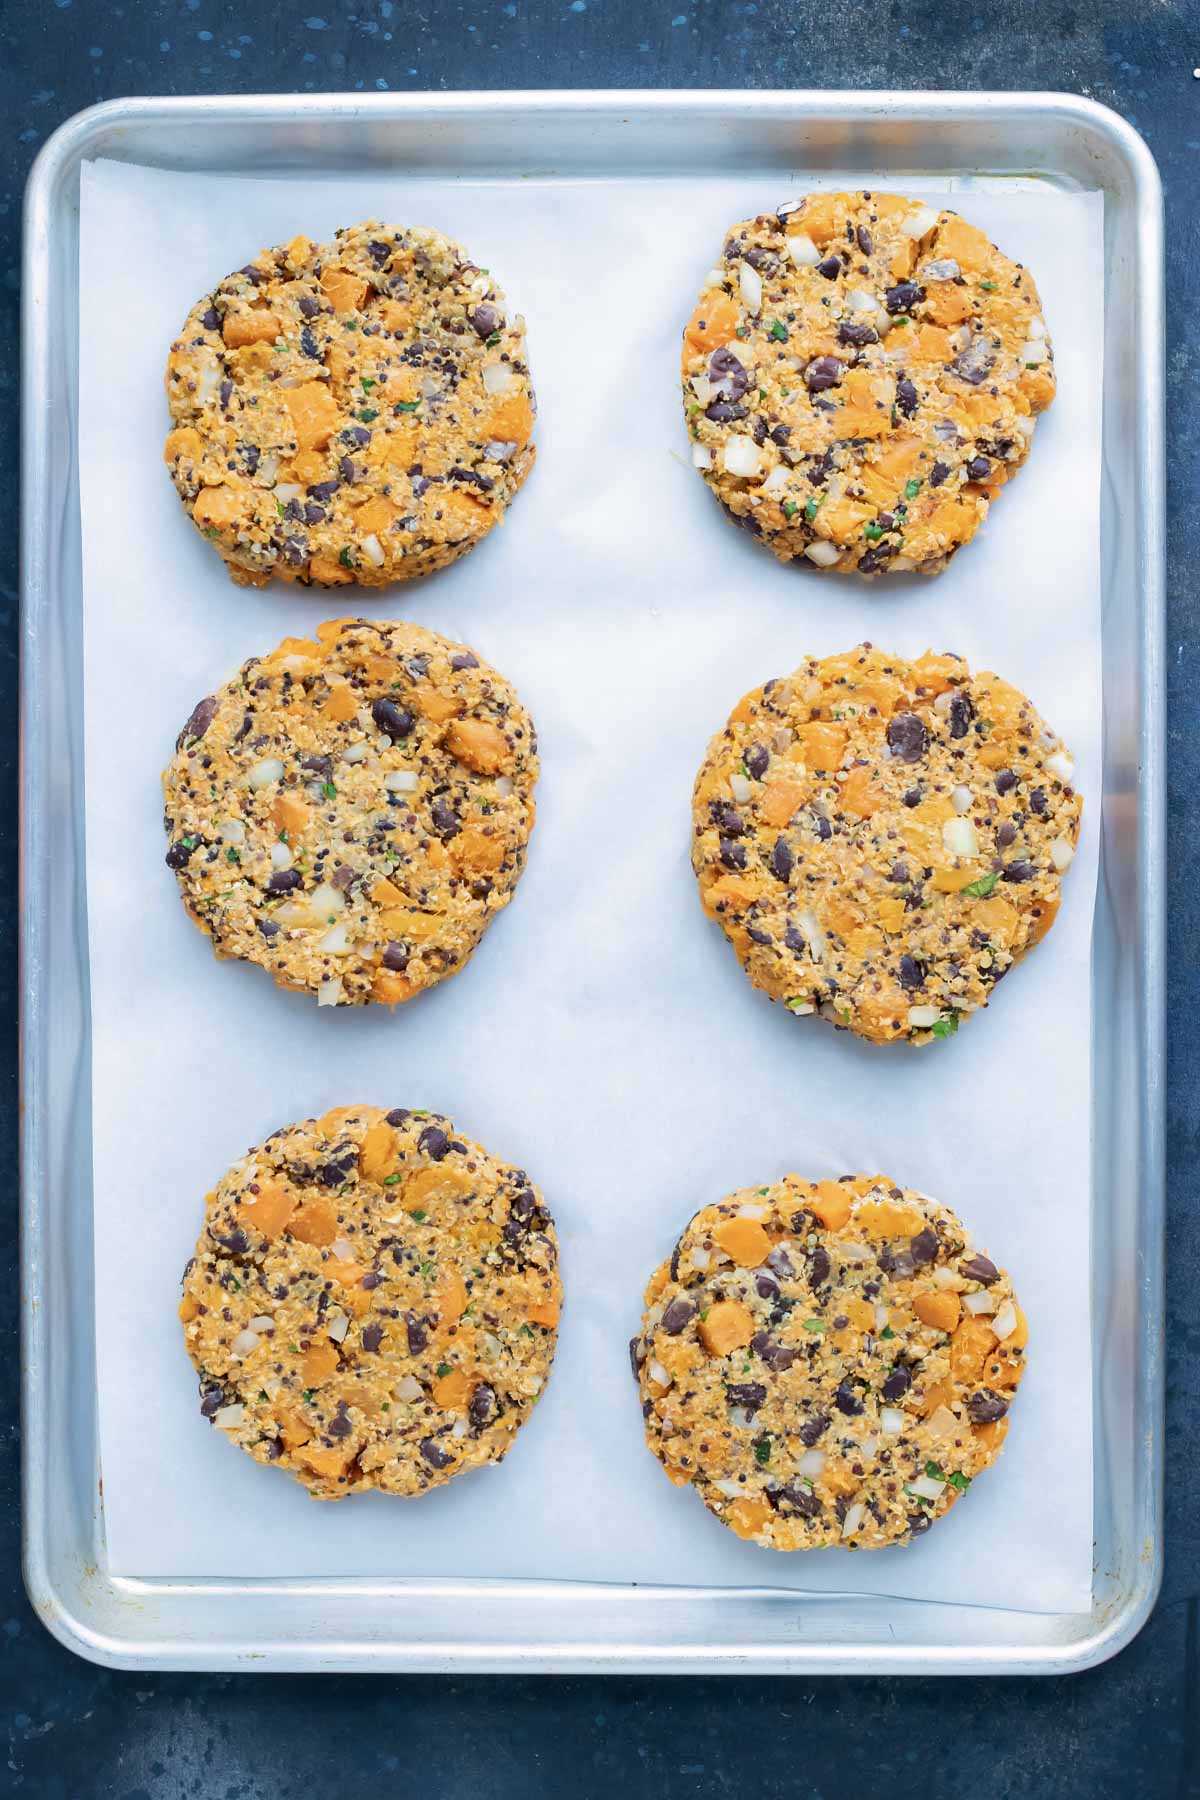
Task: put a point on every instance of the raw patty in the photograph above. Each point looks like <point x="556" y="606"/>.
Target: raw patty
<point x="828" y="1362"/>
<point x="881" y="841"/>
<point x="861" y="376"/>
<point x="351" y="812"/>
<point x="373" y="1302"/>
<point x="355" y="411"/>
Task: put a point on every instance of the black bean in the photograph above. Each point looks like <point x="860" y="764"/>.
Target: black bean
<point x="794" y="1499"/>
<point x="313" y="514"/>
<point x="637" y="1357"/>
<point x="724" y="412"/>
<point x="974" y="363"/>
<point x="725" y="370"/>
<point x="378" y="252"/>
<point x="985" y="1407"/>
<point x="482" y="1407"/>
<point x="903" y="297"/>
<point x="822" y="372"/>
<point x="776" y="1356"/>
<point x="434" y="1455"/>
<point x="907" y="397"/>
<point x="897" y="1263"/>
<point x="733" y="854"/>
<point x="212" y="1399"/>
<point x="962" y="712"/>
<point x="309" y="308"/>
<point x="395" y="957"/>
<point x="912" y="973"/>
<point x="1006" y="781"/>
<point x="897" y="1383"/>
<point x="762" y="259"/>
<point x="979" y="468"/>
<point x="1018" y="871"/>
<point x="433" y="1142"/>
<point x="907" y="737"/>
<point x="418" y="1334"/>
<point x="372" y="1337"/>
<point x="225" y="394"/>
<point x="819" y="1265"/>
<point x="858" y="336"/>
<point x="285" y="881"/>
<point x="779" y="1260"/>
<point x="865" y="241"/>
<point x="397" y="721"/>
<point x="318" y="765"/>
<point x="924" y="1247"/>
<point x="485" y="319"/>
<point x="1038" y="802"/>
<point x="919" y="1523"/>
<point x="980" y="1268"/>
<point x="677" y="1315"/>
<point x="750" y="1394"/>
<point x="464" y="659"/>
<point x="309" y="344"/>
<point x="938" y="474"/>
<point x="727" y="818"/>
<point x="211" y="320"/>
<point x="1007" y="834"/>
<point x="782" y="860"/>
<point x="830" y="268"/>
<point x="757" y="935"/>
<point x="756" y="760"/>
<point x="178" y="854"/>
<point x="899" y="873"/>
<point x="912" y="797"/>
<point x="201" y="717"/>
<point x="235" y="1242"/>
<point x="372" y="1279"/>
<point x="780" y="434"/>
<point x="399" y="1115"/>
<point x="766" y="1287"/>
<point x="446" y="821"/>
<point x="820" y="824"/>
<point x="267" y="928"/>
<point x="847" y="1401"/>
<point x="324" y="490"/>
<point x="812" y="1430"/>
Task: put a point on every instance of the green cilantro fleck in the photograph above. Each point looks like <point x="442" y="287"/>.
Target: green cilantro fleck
<point x="814" y="1325"/>
<point x="210" y="531"/>
<point x="912" y="489"/>
<point x="764" y="1190"/>
<point x="444" y="1368"/>
<point x="933" y="1471"/>
<point x="979" y="890"/>
<point x="309" y="1392"/>
<point x="406" y="406"/>
<point x="743" y="331"/>
<point x="295" y="1349"/>
<point x="280" y="508"/>
<point x="779" y="331"/>
<point x="390" y="1180"/>
<point x="812" y="507"/>
<point x="420" y="1215"/>
<point x="427" y="1269"/>
<point x="345" y="558"/>
<point x="703" y="1314"/>
<point x="873" y="533"/>
<point x="492" y="340"/>
<point x="385" y="1406"/>
<point x="235" y="1284"/>
<point x="762" y="1450"/>
<point x="762" y="393"/>
<point x="283" y="837"/>
<point x="901" y="319"/>
<point x="366" y="414"/>
<point x="189" y="842"/>
<point x="989" y="287"/>
<point x="525" y="1331"/>
<point x="232" y="855"/>
<point x="790" y="509"/>
<point x="887" y="1332"/>
<point x="961" y="1482"/>
<point x="329" y="791"/>
<point x="366" y="383"/>
<point x="946" y="1026"/>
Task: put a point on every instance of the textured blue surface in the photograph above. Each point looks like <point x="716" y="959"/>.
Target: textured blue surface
<point x="70" y="1730"/>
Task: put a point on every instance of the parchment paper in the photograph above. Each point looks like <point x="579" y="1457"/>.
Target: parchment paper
<point x="603" y="1036"/>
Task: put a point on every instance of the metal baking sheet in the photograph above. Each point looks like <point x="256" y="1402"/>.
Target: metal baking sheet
<point x="555" y="1625"/>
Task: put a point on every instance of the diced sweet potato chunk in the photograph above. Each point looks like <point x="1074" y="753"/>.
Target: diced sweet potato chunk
<point x="218" y="507"/>
<point x="938" y="1307"/>
<point x="728" y="1326"/>
<point x="250" y="327"/>
<point x="314" y="413"/>
<point x="314" y="1223"/>
<point x="346" y="293"/>
<point x="479" y="744"/>
<point x="744" y="1240"/>
<point x="377" y="1157"/>
<point x="272" y="1208"/>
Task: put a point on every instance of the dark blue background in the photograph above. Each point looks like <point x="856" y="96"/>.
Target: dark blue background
<point x="72" y="1730"/>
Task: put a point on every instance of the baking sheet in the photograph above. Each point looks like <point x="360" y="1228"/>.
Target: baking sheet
<point x="604" y="1036"/>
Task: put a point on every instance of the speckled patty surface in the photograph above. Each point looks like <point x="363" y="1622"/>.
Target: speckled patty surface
<point x="353" y="810"/>
<point x="355" y="411"/>
<point x="881" y="840"/>
<point x="828" y="1362"/>
<point x="373" y="1302"/>
<point x="861" y="375"/>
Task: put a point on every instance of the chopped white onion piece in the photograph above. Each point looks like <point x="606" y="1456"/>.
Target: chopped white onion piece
<point x="267" y="470"/>
<point x="1062" y="854"/>
<point x="742" y="456"/>
<point x="372" y="549"/>
<point x="294" y="664"/>
<point x="281" y="856"/>
<point x="919" y="222"/>
<point x="942" y="703"/>
<point x="823" y="554"/>
<point x="273" y="1386"/>
<point x="1061" y="765"/>
<point x="730" y="1489"/>
<point x="881" y="1317"/>
<point x="337" y="1324"/>
<point x="330" y="992"/>
<point x="701" y="456"/>
<point x="1005" y="1321"/>
<point x="400" y="781"/>
<point x="429" y="386"/>
<point x="920" y="1018"/>
<point x="891" y="1419"/>
<point x="343" y="1249"/>
<point x="927" y="1487"/>
<point x="409" y="1388"/>
<point x="1034" y="351"/>
<point x="961" y="799"/>
<point x="958" y="836"/>
<point x="811" y="1463"/>
<point x="802" y="250"/>
<point x="853" y="1519"/>
<point x="335" y="942"/>
<point x="355" y="753"/>
<point x="781" y="740"/>
<point x="244" y="1344"/>
<point x="860" y="301"/>
<point x="265" y="772"/>
<point x="777" y="480"/>
<point x="699" y="1258"/>
<point x="658" y="1374"/>
<point x="960" y="337"/>
<point x="208" y="381"/>
<point x="814" y="936"/>
<point x="741" y="1418"/>
<point x="801" y="1008"/>
<point x="325" y="900"/>
<point x="1026" y="425"/>
<point x="982" y="1302"/>
<point x="499" y="449"/>
<point x="943" y="268"/>
<point x="459" y="1429"/>
<point x="944" y="1277"/>
<point x="750" y="283"/>
<point x="488" y="1339"/>
<point x="702" y="387"/>
<point x="232" y="831"/>
<point x="942" y="1422"/>
<point x="227" y="1417"/>
<point x="869" y="1446"/>
<point x="752" y="1212"/>
<point x="261" y="1322"/>
<point x="499" y="378"/>
<point x="900" y="565"/>
<point x="1037" y="328"/>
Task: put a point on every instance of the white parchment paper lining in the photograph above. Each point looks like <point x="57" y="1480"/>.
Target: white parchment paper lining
<point x="604" y="1036"/>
